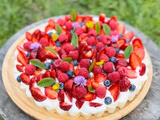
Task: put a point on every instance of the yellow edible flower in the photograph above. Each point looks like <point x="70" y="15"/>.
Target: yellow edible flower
<point x="54" y="36"/>
<point x="90" y="24"/>
<point x="56" y="86"/>
<point x="100" y="62"/>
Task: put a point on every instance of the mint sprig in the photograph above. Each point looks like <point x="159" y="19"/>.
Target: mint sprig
<point x="90" y="89"/>
<point x="106" y="29"/>
<point x="38" y="63"/>
<point x="69" y="59"/>
<point x="98" y="28"/>
<point x="73" y="16"/>
<point x="128" y="51"/>
<point x="74" y="40"/>
<point x="46" y="82"/>
<point x="52" y="50"/>
<point x="92" y="65"/>
<point x="58" y="29"/>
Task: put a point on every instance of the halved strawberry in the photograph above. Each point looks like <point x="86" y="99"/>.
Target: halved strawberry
<point x="66" y="18"/>
<point x="69" y="96"/>
<point x="89" y="81"/>
<point x="32" y="54"/>
<point x="51" y="22"/>
<point x="48" y="27"/>
<point x="114" y="90"/>
<point x="79" y="19"/>
<point x="140" y="52"/>
<point x="37" y="72"/>
<point x="50" y="93"/>
<point x="53" y="73"/>
<point x="96" y="85"/>
<point x="89" y="54"/>
<point x="74" y="91"/>
<point x="51" y="43"/>
<point x="65" y="106"/>
<point x="28" y="36"/>
<point x="82" y="38"/>
<point x="47" y="74"/>
<point x="34" y="39"/>
<point x="138" y="43"/>
<point x="50" y="55"/>
<point x="121" y="28"/>
<point x="80" y="102"/>
<point x="90" y="96"/>
<point x="121" y="42"/>
<point x="36" y="34"/>
<point x="102" y="51"/>
<point x="142" y="70"/>
<point x="102" y="17"/>
<point x="95" y="104"/>
<point x="76" y="71"/>
<point x="37" y="94"/>
<point x="131" y="73"/>
<point x="68" y="85"/>
<point x="25" y="78"/>
<point x="20" y="68"/>
<point x="100" y="78"/>
<point x="20" y="49"/>
<point x="129" y="35"/>
<point x="32" y="83"/>
<point x="134" y="60"/>
<point x="46" y="36"/>
<point x="41" y="54"/>
<point x="87" y="18"/>
<point x="120" y="56"/>
<point x="61" y="95"/>
<point x="71" y="67"/>
<point x="22" y="58"/>
<point x="40" y="77"/>
<point x="64" y="30"/>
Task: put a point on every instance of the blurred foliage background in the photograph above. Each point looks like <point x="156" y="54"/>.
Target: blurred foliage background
<point x="142" y="14"/>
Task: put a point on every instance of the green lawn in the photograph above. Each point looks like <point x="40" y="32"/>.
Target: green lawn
<point x="142" y="14"/>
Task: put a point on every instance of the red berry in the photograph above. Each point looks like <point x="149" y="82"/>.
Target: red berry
<point x="113" y="25"/>
<point x="99" y="46"/>
<point x="84" y="63"/>
<point x="97" y="70"/>
<point x="80" y="102"/>
<point x="68" y="85"/>
<point x="44" y="42"/>
<point x="90" y="96"/>
<point x="53" y="73"/>
<point x="124" y="84"/>
<point x="100" y="92"/>
<point x="100" y="78"/>
<point x="108" y="67"/>
<point x="94" y="104"/>
<point x="91" y="41"/>
<point x="63" y="37"/>
<point x="79" y="31"/>
<point x="69" y="96"/>
<point x="142" y="70"/>
<point x="27" y="45"/>
<point x="60" y="22"/>
<point x="104" y="57"/>
<point x="102" y="17"/>
<point x="81" y="92"/>
<point x="50" y="93"/>
<point x="102" y="38"/>
<point x="64" y="66"/>
<point x="25" y="78"/>
<point x="83" y="72"/>
<point x="62" y="77"/>
<point x="19" y="68"/>
<point x="68" y="47"/>
<point x="57" y="63"/>
<point x="110" y="51"/>
<point x="40" y="54"/>
<point x="29" y="69"/>
<point x="69" y="26"/>
<point x="92" y="33"/>
<point x="114" y="77"/>
<point x="122" y="71"/>
<point x="122" y="62"/>
<point x="61" y="95"/>
<point x="74" y="54"/>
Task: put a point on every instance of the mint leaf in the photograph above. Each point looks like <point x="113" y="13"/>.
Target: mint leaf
<point x="58" y="29"/>
<point x="128" y="51"/>
<point x="90" y="89"/>
<point x="69" y="59"/>
<point x="73" y="16"/>
<point x="106" y="29"/>
<point x="92" y="65"/>
<point x="98" y="28"/>
<point x="74" y="40"/>
<point x="38" y="63"/>
<point x="46" y="82"/>
<point x="52" y="50"/>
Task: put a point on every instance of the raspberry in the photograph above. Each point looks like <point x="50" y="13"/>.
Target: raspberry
<point x="74" y="54"/>
<point x="64" y="66"/>
<point x="114" y="77"/>
<point x="57" y="63"/>
<point x="61" y="52"/>
<point x="100" y="92"/>
<point x="81" y="92"/>
<point x="113" y="25"/>
<point x="64" y="56"/>
<point x="68" y="47"/>
<point x="92" y="33"/>
<point x="108" y="67"/>
<point x="102" y="38"/>
<point x="122" y="62"/>
<point x="27" y="45"/>
<point x="104" y="57"/>
<point x="97" y="70"/>
<point x="107" y="41"/>
<point x="69" y="26"/>
<point x="62" y="77"/>
<point x="91" y="41"/>
<point x="99" y="46"/>
<point x="84" y="63"/>
<point x="68" y="85"/>
<point x="63" y="37"/>
<point x="110" y="51"/>
<point x="122" y="71"/>
<point x="53" y="73"/>
<point x="60" y="22"/>
<point x="29" y="69"/>
<point x="83" y="72"/>
<point x="79" y="31"/>
<point x="44" y="42"/>
<point x="124" y="84"/>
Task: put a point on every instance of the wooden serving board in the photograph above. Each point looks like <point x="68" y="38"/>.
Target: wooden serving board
<point x="28" y="105"/>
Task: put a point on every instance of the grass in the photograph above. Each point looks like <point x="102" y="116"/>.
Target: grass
<point x="142" y="14"/>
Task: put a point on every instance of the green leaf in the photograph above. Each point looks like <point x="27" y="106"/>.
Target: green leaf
<point x="92" y="65"/>
<point x="58" y="29"/>
<point x="128" y="51"/>
<point x="52" y="50"/>
<point x="74" y="40"/>
<point x="90" y="89"/>
<point x="38" y="63"/>
<point x="46" y="82"/>
<point x="73" y="16"/>
<point x="69" y="59"/>
<point x="98" y="28"/>
<point x="106" y="29"/>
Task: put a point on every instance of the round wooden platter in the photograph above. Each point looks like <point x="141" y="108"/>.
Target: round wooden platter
<point x="28" y="105"/>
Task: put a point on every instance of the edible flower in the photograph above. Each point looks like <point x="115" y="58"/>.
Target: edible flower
<point x="100" y="62"/>
<point x="54" y="36"/>
<point x="80" y="80"/>
<point x="114" y="38"/>
<point x="75" y="24"/>
<point x="35" y="46"/>
<point x="90" y="24"/>
<point x="56" y="86"/>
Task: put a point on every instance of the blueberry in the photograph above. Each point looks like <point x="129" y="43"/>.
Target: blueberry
<point x="93" y="47"/>
<point x="107" y="83"/>
<point x="19" y="79"/>
<point x="89" y="76"/>
<point x="72" y="32"/>
<point x="58" y="44"/>
<point x="28" y="53"/>
<point x="114" y="70"/>
<point x="52" y="62"/>
<point x="75" y="62"/>
<point x="121" y="35"/>
<point x="113" y="59"/>
<point x="127" y="41"/>
<point x="89" y="61"/>
<point x="132" y="87"/>
<point x="98" y="37"/>
<point x="81" y="24"/>
<point x="117" y="50"/>
<point x="47" y="64"/>
<point x="61" y="85"/>
<point x="69" y="73"/>
<point x="107" y="100"/>
<point x="50" y="33"/>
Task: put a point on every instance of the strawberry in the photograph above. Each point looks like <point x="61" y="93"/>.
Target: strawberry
<point x="20" y="49"/>
<point x="131" y="73"/>
<point x="40" y="77"/>
<point x="102" y="51"/>
<point x="89" y="54"/>
<point x="68" y="85"/>
<point x="32" y="54"/>
<point x="48" y="27"/>
<point x="71" y="67"/>
<point x="100" y="92"/>
<point x="90" y="96"/>
<point x="65" y="106"/>
<point x="140" y="52"/>
<point x="37" y="72"/>
<point x="66" y="18"/>
<point x="96" y="85"/>
<point x="53" y="73"/>
<point x="100" y="78"/>
<point x="89" y="81"/>
<point x="37" y="94"/>
<point x="142" y="70"/>
<point x="102" y="17"/>
<point x="79" y="19"/>
<point x="34" y="39"/>
<point x="41" y="54"/>
<point x="37" y="34"/>
<point x="121" y="42"/>
<point x="138" y="43"/>
<point x="87" y="18"/>
<point x="28" y="36"/>
<point x="51" y="22"/>
<point x="120" y="56"/>
<point x="61" y="95"/>
<point x="120" y="28"/>
<point x="125" y="46"/>
<point x="124" y="84"/>
<point x="134" y="61"/>
<point x="19" y="68"/>
<point x="50" y="93"/>
<point x="22" y="58"/>
<point x="47" y="74"/>
<point x="46" y="36"/>
<point x="95" y="104"/>
<point x="74" y="91"/>
<point x="80" y="102"/>
<point x="114" y="91"/>
<point x="69" y="96"/>
<point x="32" y="83"/>
<point x="129" y="35"/>
<point x="83" y="38"/>
<point x="113" y="18"/>
<point x="122" y="62"/>
<point x="50" y="55"/>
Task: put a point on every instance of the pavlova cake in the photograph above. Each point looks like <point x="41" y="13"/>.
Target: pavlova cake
<point x="81" y="65"/>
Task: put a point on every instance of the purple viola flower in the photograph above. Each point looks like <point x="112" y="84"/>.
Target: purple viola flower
<point x="35" y="46"/>
<point x="75" y="25"/>
<point x="114" y="38"/>
<point x="80" y="80"/>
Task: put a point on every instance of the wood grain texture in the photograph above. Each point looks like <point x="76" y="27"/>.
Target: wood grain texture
<point x="28" y="105"/>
